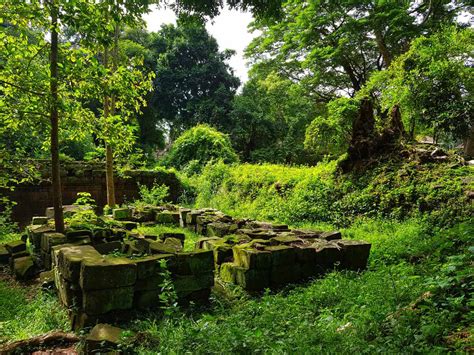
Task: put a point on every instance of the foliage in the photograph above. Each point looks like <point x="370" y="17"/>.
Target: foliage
<point x="432" y="83"/>
<point x="156" y="195"/>
<point x="330" y="135"/>
<point x="198" y="146"/>
<point x="190" y="236"/>
<point x="168" y="296"/>
<point x="394" y="189"/>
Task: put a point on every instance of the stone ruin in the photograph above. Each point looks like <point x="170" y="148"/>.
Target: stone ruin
<point x="103" y="273"/>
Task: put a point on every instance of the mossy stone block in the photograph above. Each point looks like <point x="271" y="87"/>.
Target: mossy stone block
<point x="34" y="234"/>
<point x="222" y="253"/>
<point x="191" y="217"/>
<point x="24" y="268"/>
<point x="106" y="300"/>
<point x="282" y="255"/>
<point x="4" y="255"/>
<point x="47" y="279"/>
<point x="227" y="272"/>
<point x="39" y="220"/>
<point x="129" y="225"/>
<point x="193" y="263"/>
<point x="252" y="279"/>
<point x="328" y="255"/>
<point x="103" y="337"/>
<point x="69" y="294"/>
<point x="184" y="285"/>
<point x="182" y="216"/>
<point x="145" y="299"/>
<point x="148" y="266"/>
<point x="355" y="254"/>
<point x="15" y="246"/>
<point x="70" y="258"/>
<point x="75" y="234"/>
<point x="107" y="248"/>
<point x="167" y="217"/>
<point x="121" y="214"/>
<point x="177" y="235"/>
<point x="48" y="240"/>
<point x="282" y="275"/>
<point x="166" y="247"/>
<point x="249" y="258"/>
<point x="286" y="239"/>
<point x="328" y="236"/>
<point x="205" y="243"/>
<point x="112" y="272"/>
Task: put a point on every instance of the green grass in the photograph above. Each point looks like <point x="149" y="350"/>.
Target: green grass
<point x="190" y="237"/>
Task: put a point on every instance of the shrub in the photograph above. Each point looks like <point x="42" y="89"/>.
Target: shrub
<point x="198" y="146"/>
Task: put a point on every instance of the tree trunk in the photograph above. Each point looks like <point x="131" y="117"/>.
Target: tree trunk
<point x="54" y="117"/>
<point x="396" y="123"/>
<point x="469" y="144"/>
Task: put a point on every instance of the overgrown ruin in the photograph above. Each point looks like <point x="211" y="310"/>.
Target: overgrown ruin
<point x="103" y="273"/>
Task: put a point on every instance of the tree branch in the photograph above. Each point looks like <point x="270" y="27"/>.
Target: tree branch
<point x="22" y="88"/>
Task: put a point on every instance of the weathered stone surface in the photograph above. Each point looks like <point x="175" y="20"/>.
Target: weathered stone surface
<point x="327" y="255"/>
<point x="252" y="279"/>
<point x="167" y="217"/>
<point x="355" y="254"/>
<point x="78" y="234"/>
<point x="227" y="272"/>
<point x="184" y="285"/>
<point x="103" y="301"/>
<point x="70" y="258"/>
<point x="330" y="235"/>
<point x="284" y="274"/>
<point x="34" y="234"/>
<point x="48" y="240"/>
<point x="151" y="283"/>
<point x="282" y="255"/>
<point x="69" y="294"/>
<point x="219" y="229"/>
<point x="4" y="255"/>
<point x="24" y="268"/>
<point x="15" y="246"/>
<point x="247" y="257"/>
<point x="193" y="263"/>
<point x="109" y="272"/>
<point x="145" y="299"/>
<point x="39" y="220"/>
<point x="148" y="266"/>
<point x="121" y="214"/>
<point x="165" y="247"/>
<point x="179" y="236"/>
<point x="191" y="217"/>
<point x="182" y="216"/>
<point x="103" y="338"/>
<point x="107" y="248"/>
<point x="286" y="239"/>
<point x="206" y="243"/>
<point x="47" y="279"/>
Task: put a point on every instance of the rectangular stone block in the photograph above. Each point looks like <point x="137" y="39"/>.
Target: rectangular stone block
<point x="146" y="299"/>
<point x="250" y="258"/>
<point x="167" y="217"/>
<point x="179" y="236"/>
<point x="282" y="275"/>
<point x="103" y="301"/>
<point x="15" y="246"/>
<point x="282" y="255"/>
<point x="328" y="256"/>
<point x="24" y="268"/>
<point x="121" y="214"/>
<point x="34" y="234"/>
<point x="183" y="212"/>
<point x="107" y="248"/>
<point x="4" y="255"/>
<point x="328" y="236"/>
<point x="151" y="283"/>
<point x="48" y="240"/>
<point x="39" y="220"/>
<point x="184" y="285"/>
<point x="355" y="254"/>
<point x="70" y="258"/>
<point x="69" y="294"/>
<point x="191" y="217"/>
<point x="148" y="266"/>
<point x="285" y="239"/>
<point x="78" y="234"/>
<point x="109" y="272"/>
<point x="252" y="279"/>
<point x="192" y="263"/>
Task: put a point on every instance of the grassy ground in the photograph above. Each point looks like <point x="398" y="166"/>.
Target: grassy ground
<point x="414" y="298"/>
<point x="189" y="240"/>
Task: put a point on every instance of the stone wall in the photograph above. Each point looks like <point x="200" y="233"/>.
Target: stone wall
<point x="33" y="198"/>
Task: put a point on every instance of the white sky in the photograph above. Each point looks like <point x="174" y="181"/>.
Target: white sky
<point x="229" y="29"/>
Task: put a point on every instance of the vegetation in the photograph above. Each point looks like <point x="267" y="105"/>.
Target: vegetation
<point x="329" y="132"/>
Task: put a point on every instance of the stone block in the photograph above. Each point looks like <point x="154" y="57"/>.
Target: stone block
<point x="185" y="285"/>
<point x="129" y="225"/>
<point x="106" y="300"/>
<point x="48" y="240"/>
<point x="70" y="258"/>
<point x="282" y="275"/>
<point x="327" y="256"/>
<point x="182" y="216"/>
<point x="34" y="234"/>
<point x="148" y="266"/>
<point x="227" y="272"/>
<point x="222" y="253"/>
<point x="39" y="220"/>
<point x="121" y="214"/>
<point x="167" y="217"/>
<point x="192" y="263"/>
<point x="69" y="294"/>
<point x="250" y="258"/>
<point x="219" y="229"/>
<point x="107" y="248"/>
<point x="151" y="283"/>
<point x="165" y="247"/>
<point x="4" y="255"/>
<point x="109" y="272"/>
<point x="282" y="255"/>
<point x="15" y="246"/>
<point x="179" y="236"/>
<point x="24" y="268"/>
<point x="328" y="236"/>
<point x="47" y="279"/>
<point x="103" y="338"/>
<point x="252" y="279"/>
<point x="191" y="217"/>
<point x="286" y="239"/>
<point x="205" y="243"/>
<point x="355" y="254"/>
<point x="146" y="299"/>
<point x="78" y="234"/>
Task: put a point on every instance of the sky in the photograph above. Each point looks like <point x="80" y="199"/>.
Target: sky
<point x="229" y="29"/>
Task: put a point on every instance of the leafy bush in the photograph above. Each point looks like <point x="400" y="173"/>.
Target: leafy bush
<point x="155" y="195"/>
<point x="198" y="146"/>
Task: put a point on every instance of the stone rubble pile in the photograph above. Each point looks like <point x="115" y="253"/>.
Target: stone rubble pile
<point x="104" y="272"/>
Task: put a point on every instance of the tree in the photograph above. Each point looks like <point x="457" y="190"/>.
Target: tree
<point x="193" y="82"/>
<point x="334" y="46"/>
<point x="432" y="84"/>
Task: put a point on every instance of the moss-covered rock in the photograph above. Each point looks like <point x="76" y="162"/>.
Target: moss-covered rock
<point x="70" y="258"/>
<point x="355" y="254"/>
<point x="148" y="266"/>
<point x="15" y="246"/>
<point x="121" y="214"/>
<point x="102" y="339"/>
<point x="193" y="263"/>
<point x="227" y="272"/>
<point x="247" y="257"/>
<point x="102" y="273"/>
<point x="24" y="268"/>
<point x="39" y="220"/>
<point x="167" y="217"/>
<point x="252" y="279"/>
<point x="106" y="300"/>
<point x="48" y="240"/>
<point x="282" y="255"/>
<point x="187" y="284"/>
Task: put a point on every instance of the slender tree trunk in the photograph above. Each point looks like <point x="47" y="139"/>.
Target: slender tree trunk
<point x="396" y="123"/>
<point x="469" y="144"/>
<point x="54" y="117"/>
<point x="109" y="109"/>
